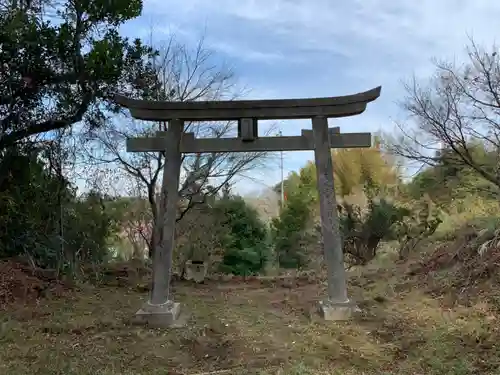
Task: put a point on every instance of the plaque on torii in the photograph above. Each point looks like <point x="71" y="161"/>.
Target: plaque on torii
<point x="161" y="310"/>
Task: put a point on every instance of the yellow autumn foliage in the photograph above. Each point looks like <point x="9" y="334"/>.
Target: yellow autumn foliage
<point x="354" y="168"/>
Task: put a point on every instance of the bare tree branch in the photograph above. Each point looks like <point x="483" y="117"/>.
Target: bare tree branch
<point x="185" y="75"/>
<point x="457" y="111"/>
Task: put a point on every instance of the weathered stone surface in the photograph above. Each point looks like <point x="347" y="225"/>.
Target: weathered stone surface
<point x="337" y="311"/>
<point x="275" y="109"/>
<point x="160" y="316"/>
<point x="165" y="225"/>
<point x="196" y="271"/>
<point x="190" y="144"/>
<point x="330" y="228"/>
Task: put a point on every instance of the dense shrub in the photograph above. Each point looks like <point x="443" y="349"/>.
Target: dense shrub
<point x="423" y="222"/>
<point x="29" y="210"/>
<point x="88" y="226"/>
<point x="246" y="245"/>
<point x="289" y="232"/>
<point x="42" y="220"/>
<point x="362" y="230"/>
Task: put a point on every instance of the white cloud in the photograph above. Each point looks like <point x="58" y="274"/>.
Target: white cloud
<point x="403" y="30"/>
<point x="293" y="48"/>
<point x="246" y="53"/>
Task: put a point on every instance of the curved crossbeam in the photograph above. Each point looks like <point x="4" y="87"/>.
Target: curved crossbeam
<point x="337" y="106"/>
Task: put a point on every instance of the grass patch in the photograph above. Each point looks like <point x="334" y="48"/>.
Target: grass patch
<point x="401" y="330"/>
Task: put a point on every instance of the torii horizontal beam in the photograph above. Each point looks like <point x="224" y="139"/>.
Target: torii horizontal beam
<point x="337" y="106"/>
<point x="190" y="144"/>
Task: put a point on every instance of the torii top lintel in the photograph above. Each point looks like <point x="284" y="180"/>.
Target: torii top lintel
<point x="337" y="106"/>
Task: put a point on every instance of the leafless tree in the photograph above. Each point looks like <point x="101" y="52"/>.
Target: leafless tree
<point x="457" y="111"/>
<point x="185" y="75"/>
<point x="267" y="203"/>
<point x="136" y="227"/>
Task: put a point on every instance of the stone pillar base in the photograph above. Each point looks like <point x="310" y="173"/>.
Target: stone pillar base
<point x="159" y="316"/>
<point x="338" y="311"/>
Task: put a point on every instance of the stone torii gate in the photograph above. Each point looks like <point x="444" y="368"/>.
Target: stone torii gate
<point x="161" y="310"/>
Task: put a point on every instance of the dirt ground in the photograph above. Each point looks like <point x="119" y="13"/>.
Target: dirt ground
<point x="248" y="328"/>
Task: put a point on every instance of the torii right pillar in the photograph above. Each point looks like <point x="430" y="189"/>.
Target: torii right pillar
<point x="337" y="306"/>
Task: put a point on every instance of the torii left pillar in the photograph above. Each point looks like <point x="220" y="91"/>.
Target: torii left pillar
<point x="161" y="310"/>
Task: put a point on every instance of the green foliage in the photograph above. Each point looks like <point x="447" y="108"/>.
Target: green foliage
<point x="289" y="231"/>
<point x="362" y="230"/>
<point x="42" y="220"/>
<point x="423" y="222"/>
<point x="28" y="208"/>
<point x="369" y="173"/>
<point x="302" y="183"/>
<point x="77" y="63"/>
<point x="246" y="243"/>
<point x="450" y="181"/>
<point x="88" y="225"/>
<point x="457" y="192"/>
<point x="382" y="216"/>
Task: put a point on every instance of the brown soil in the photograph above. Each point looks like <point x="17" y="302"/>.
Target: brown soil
<point x="259" y="325"/>
<point x="20" y="283"/>
<point x="472" y="258"/>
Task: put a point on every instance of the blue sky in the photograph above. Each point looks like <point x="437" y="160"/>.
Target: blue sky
<point x="310" y="48"/>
